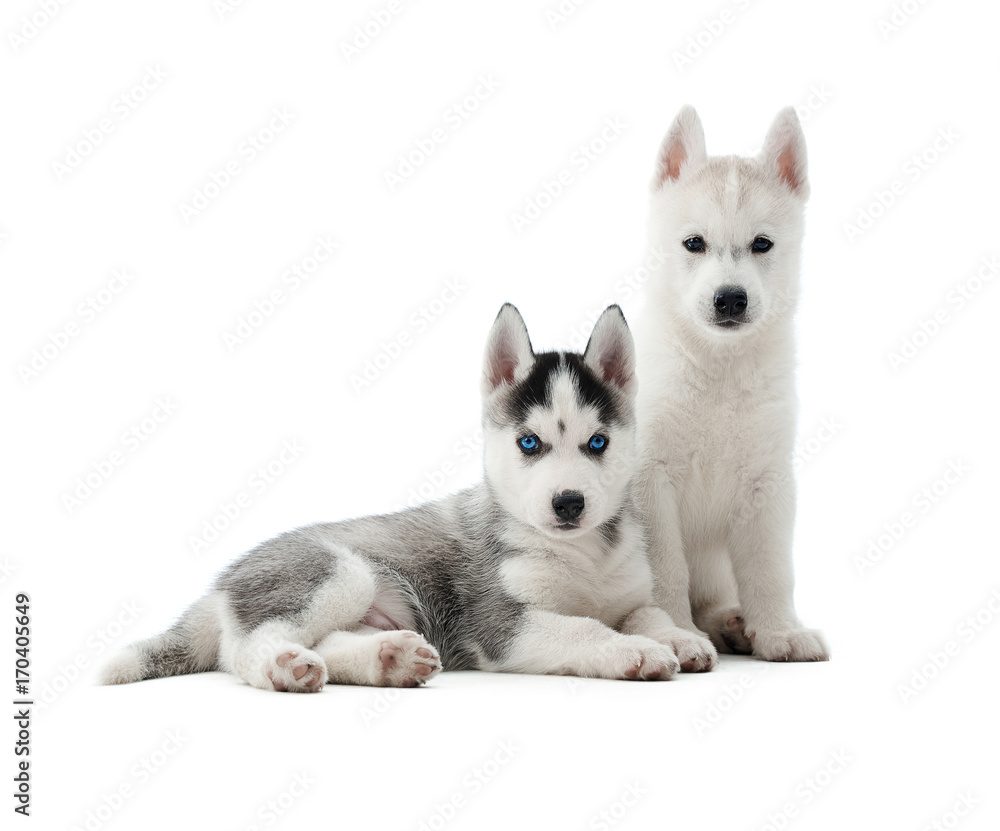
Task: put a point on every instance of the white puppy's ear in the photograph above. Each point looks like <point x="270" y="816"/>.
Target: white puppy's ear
<point x="784" y="153"/>
<point x="683" y="146"/>
<point x="508" y="356"/>
<point x="610" y="351"/>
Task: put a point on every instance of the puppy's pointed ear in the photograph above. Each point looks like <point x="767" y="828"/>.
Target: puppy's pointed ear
<point x="683" y="146"/>
<point x="784" y="153"/>
<point x="610" y="351"/>
<point x="508" y="354"/>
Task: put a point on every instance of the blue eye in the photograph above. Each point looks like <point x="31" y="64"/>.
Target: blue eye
<point x="598" y="443"/>
<point x="529" y="444"/>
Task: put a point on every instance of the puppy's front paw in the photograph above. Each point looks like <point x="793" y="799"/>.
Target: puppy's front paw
<point x="790" y="645"/>
<point x="637" y="658"/>
<point x="407" y="659"/>
<point x="297" y="671"/>
<point x="694" y="652"/>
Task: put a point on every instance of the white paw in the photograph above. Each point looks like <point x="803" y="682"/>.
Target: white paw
<point x="790" y="645"/>
<point x="406" y="659"/>
<point x="695" y="653"/>
<point x="297" y="671"/>
<point x="638" y="658"/>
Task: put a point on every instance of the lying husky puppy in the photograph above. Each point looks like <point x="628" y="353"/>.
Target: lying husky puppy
<point x="717" y="407"/>
<point x="541" y="568"/>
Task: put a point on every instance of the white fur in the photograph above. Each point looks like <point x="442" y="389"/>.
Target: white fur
<point x="717" y="405"/>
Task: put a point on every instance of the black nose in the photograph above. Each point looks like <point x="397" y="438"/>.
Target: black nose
<point x="568" y="505"/>
<point x="730" y="303"/>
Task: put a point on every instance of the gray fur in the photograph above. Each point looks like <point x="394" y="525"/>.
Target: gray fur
<point x="277" y="578"/>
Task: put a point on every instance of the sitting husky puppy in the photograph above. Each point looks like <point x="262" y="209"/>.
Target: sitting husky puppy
<point x="717" y="407"/>
<point x="541" y="568"/>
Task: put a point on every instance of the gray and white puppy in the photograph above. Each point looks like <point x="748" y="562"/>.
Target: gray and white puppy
<point x="541" y="568"/>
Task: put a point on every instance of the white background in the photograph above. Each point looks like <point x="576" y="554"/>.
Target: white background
<point x="870" y="99"/>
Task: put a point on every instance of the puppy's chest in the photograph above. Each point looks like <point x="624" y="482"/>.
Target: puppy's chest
<point x="605" y="587"/>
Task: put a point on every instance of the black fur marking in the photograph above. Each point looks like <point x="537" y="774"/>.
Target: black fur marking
<point x="276" y="580"/>
<point x="562" y="427"/>
<point x="536" y="389"/>
<point x="611" y="530"/>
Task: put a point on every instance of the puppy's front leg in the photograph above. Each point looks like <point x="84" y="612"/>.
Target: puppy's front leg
<point x="657" y="498"/>
<point x="760" y="545"/>
<point x="554" y="644"/>
<point x="696" y="654"/>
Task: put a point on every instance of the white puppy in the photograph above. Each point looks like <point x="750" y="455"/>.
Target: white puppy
<point x="716" y="393"/>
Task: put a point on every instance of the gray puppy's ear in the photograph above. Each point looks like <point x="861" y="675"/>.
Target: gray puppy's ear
<point x="683" y="147"/>
<point x="784" y="153"/>
<point x="610" y="352"/>
<point x="508" y="356"/>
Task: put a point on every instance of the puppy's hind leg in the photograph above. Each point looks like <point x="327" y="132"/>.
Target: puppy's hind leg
<point x="726" y="629"/>
<point x="377" y="658"/>
<point x="714" y="605"/>
<point x="274" y="657"/>
<point x="284" y="598"/>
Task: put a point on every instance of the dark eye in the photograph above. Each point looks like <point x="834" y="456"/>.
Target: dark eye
<point x="694" y="244"/>
<point x="598" y="444"/>
<point x="761" y="244"/>
<point x="528" y="444"/>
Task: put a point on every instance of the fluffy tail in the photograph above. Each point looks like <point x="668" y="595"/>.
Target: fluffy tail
<point x="190" y="645"/>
